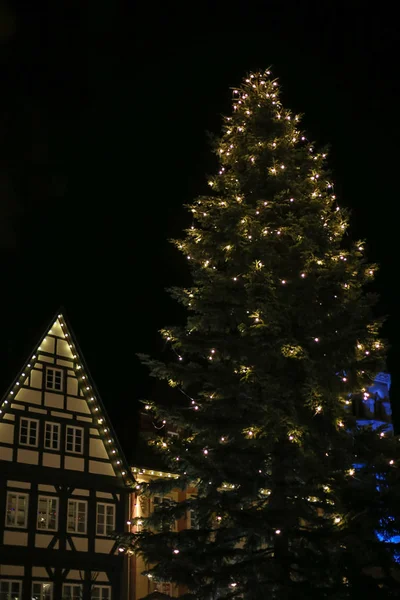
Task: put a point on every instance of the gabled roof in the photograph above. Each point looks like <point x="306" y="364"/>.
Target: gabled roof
<point x="60" y="328"/>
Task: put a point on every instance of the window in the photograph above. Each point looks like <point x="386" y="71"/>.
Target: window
<point x="54" y="379"/>
<point x="28" y="432"/>
<point x="52" y="436"/>
<point x="42" y="591"/>
<point x="101" y="592"/>
<point x="71" y="591"/>
<point x="10" y="589"/>
<point x="17" y="510"/>
<point x="192" y="521"/>
<point x="105" y="518"/>
<point x="74" y="439"/>
<point x="47" y="513"/>
<point x="160" y="503"/>
<point x="76" y="516"/>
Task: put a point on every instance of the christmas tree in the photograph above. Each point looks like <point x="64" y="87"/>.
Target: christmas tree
<point x="279" y="336"/>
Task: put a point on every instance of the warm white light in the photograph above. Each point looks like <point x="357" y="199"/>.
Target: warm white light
<point x="277" y="531"/>
<point x="316" y="339"/>
<point x="391" y="462"/>
<point x="176" y="551"/>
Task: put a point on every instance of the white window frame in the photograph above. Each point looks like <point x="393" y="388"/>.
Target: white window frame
<point x="75" y="587"/>
<point x="47" y="528"/>
<point x="28" y="435"/>
<point x="101" y="596"/>
<point x="51" y="385"/>
<point x="75" y="429"/>
<point x="53" y="427"/>
<point x="10" y="583"/>
<point x="18" y="495"/>
<point x="76" y="502"/>
<point x="107" y="530"/>
<point x="43" y="596"/>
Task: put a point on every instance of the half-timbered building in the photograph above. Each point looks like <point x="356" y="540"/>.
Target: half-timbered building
<point x="64" y="482"/>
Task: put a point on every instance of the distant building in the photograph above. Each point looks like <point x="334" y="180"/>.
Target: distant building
<point x="64" y="482"/>
<point x="372" y="408"/>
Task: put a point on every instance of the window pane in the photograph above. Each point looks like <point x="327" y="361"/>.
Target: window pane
<point x="72" y="592"/>
<point x="52" y="513"/>
<point x="47" y="513"/>
<point x="21" y="510"/>
<point x="10" y="590"/>
<point x="54" y="378"/>
<point x="101" y="593"/>
<point x="28" y="432"/>
<point x="42" y="591"/>
<point x="105" y="518"/>
<point x="76" y="518"/>
<point x="52" y="436"/>
<point x="32" y="433"/>
<point x="57" y="380"/>
<point x="81" y="528"/>
<point x="71" y="515"/>
<point x="17" y="505"/>
<point x="11" y="508"/>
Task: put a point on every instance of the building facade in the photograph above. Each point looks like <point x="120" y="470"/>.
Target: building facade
<point x="64" y="482"/>
<point x="138" y="584"/>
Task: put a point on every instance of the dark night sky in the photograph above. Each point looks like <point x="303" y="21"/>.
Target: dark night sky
<point x="103" y="120"/>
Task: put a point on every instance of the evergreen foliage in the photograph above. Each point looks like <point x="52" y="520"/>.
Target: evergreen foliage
<point x="280" y="335"/>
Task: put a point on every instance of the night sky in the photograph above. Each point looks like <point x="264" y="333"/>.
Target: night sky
<point x="104" y="114"/>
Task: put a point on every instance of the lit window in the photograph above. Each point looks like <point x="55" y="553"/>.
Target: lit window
<point x="10" y="589"/>
<point x="101" y="592"/>
<point x="54" y="379"/>
<point x="17" y="510"/>
<point x="47" y="513"/>
<point x="28" y="432"/>
<point x="74" y="439"/>
<point x="72" y="591"/>
<point x="42" y="591"/>
<point x="52" y="436"/>
<point x="77" y="516"/>
<point x="105" y="518"/>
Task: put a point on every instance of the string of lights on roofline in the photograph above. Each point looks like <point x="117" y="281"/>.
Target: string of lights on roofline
<point x="89" y="394"/>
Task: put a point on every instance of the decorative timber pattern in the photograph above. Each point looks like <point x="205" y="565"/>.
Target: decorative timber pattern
<point x="64" y="482"/>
